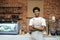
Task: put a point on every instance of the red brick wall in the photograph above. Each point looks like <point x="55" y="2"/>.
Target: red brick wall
<point x="22" y="10"/>
<point x="51" y="6"/>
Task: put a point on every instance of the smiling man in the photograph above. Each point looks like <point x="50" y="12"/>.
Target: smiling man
<point x="37" y="25"/>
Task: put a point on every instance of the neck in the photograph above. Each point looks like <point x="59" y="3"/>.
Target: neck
<point x="36" y="16"/>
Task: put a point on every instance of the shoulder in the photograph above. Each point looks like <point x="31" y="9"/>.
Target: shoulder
<point x="31" y="19"/>
<point x="42" y="18"/>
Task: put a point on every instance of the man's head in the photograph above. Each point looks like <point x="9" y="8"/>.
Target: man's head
<point x="36" y="11"/>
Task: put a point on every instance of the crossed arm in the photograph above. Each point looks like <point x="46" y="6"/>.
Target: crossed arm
<point x="31" y="28"/>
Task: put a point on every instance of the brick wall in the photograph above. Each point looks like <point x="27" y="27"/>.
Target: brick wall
<point x="52" y="6"/>
<point x="22" y="10"/>
<point x="49" y="7"/>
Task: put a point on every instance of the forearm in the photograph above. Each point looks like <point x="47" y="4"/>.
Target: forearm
<point x="31" y="28"/>
<point x="40" y="28"/>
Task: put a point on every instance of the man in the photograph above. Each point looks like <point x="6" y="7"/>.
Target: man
<point x="37" y="25"/>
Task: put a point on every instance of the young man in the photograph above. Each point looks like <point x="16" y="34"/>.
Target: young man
<point x="37" y="25"/>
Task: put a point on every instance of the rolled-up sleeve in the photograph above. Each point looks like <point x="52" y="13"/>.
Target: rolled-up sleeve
<point x="43" y="22"/>
<point x="31" y="22"/>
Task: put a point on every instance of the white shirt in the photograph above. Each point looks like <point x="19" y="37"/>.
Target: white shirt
<point x="37" y="21"/>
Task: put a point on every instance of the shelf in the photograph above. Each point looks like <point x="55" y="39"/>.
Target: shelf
<point x="10" y="19"/>
<point x="13" y="6"/>
<point x="10" y="7"/>
<point x="9" y="13"/>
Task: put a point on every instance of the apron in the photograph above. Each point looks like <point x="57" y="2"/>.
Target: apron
<point x="36" y="35"/>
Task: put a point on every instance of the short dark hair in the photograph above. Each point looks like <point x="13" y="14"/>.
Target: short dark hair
<point x="36" y="8"/>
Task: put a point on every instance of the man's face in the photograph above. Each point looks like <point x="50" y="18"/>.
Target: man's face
<point x="36" y="12"/>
